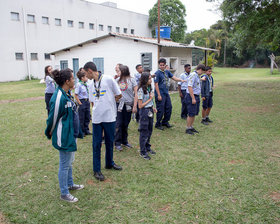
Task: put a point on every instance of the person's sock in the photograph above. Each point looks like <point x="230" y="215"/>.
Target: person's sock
<point x="189" y="127"/>
<point x="204" y="118"/>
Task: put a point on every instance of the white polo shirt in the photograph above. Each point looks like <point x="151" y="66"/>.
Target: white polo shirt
<point x="104" y="107"/>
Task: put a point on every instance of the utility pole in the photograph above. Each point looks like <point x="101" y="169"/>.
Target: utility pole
<point x="158" y="34"/>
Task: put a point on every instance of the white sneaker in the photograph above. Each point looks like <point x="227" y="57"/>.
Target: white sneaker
<point x="68" y="198"/>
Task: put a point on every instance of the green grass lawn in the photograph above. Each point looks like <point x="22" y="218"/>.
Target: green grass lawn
<point x="228" y="173"/>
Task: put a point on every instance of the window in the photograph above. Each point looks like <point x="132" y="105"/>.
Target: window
<point x="132" y="31"/>
<point x="30" y="18"/>
<point x="101" y="27"/>
<point x="91" y="26"/>
<point x="70" y="23"/>
<point x="81" y="25"/>
<point x="34" y="56"/>
<point x="109" y="28"/>
<point x="63" y="64"/>
<point x="47" y="56"/>
<point x="117" y="29"/>
<point x="19" y="56"/>
<point x="45" y="20"/>
<point x="15" y="16"/>
<point x="125" y="30"/>
<point x="57" y="22"/>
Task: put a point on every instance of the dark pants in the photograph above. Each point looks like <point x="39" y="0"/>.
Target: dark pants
<point x="193" y="109"/>
<point x="109" y="132"/>
<point x="146" y="129"/>
<point x="164" y="108"/>
<point x="48" y="97"/>
<point x="123" y="120"/>
<point x="137" y="115"/>
<point x="84" y="115"/>
<point x="184" y="110"/>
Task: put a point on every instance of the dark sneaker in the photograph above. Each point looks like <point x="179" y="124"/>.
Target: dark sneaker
<point x="88" y="133"/>
<point x="167" y="125"/>
<point x="208" y="120"/>
<point x="194" y="131"/>
<point x="119" y="147"/>
<point x="128" y="145"/>
<point x="204" y="122"/>
<point x="99" y="176"/>
<point x="69" y="198"/>
<point x="151" y="152"/>
<point x="159" y="127"/>
<point x="115" y="167"/>
<point x="76" y="187"/>
<point x="189" y="131"/>
<point x="145" y="156"/>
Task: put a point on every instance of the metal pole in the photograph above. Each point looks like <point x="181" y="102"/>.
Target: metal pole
<point x="158" y="34"/>
<point x="205" y="58"/>
<point x="26" y="44"/>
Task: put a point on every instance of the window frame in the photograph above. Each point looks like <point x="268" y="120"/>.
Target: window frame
<point x="30" y="16"/>
<point x="15" y="14"/>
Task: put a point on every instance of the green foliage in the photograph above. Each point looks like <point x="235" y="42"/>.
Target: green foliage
<point x="26" y="78"/>
<point x="172" y="13"/>
<point x="253" y="23"/>
<point x="277" y="60"/>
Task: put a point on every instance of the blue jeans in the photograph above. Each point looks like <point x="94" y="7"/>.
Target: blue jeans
<point x="65" y="178"/>
<point x="109" y="134"/>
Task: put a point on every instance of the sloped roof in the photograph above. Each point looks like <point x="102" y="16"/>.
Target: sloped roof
<point x="149" y="40"/>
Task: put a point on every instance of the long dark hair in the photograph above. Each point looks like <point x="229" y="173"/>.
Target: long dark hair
<point x="124" y="73"/>
<point x="46" y="71"/>
<point x="143" y="83"/>
<point x="60" y="77"/>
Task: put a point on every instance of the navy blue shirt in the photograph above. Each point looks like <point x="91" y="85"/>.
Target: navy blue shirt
<point x="162" y="78"/>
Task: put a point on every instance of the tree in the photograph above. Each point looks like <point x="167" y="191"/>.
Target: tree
<point x="254" y="23"/>
<point x="172" y="13"/>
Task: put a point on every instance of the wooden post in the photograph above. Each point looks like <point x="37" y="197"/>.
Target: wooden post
<point x="158" y="34"/>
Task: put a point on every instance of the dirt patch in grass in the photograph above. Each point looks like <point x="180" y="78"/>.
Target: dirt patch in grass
<point x="2" y="219"/>
<point x="255" y="109"/>
<point x="233" y="162"/>
<point x="164" y="209"/>
<point x="22" y="100"/>
<point x="275" y="196"/>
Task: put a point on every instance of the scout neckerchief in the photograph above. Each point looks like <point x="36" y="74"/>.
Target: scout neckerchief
<point x="166" y="79"/>
<point x="97" y="89"/>
<point x="72" y="100"/>
<point x="84" y="84"/>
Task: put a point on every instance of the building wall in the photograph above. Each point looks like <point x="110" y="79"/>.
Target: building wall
<point x="114" y="50"/>
<point x="44" y="38"/>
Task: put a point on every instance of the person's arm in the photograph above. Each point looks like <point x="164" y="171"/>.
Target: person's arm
<point x="77" y="99"/>
<point x="134" y="109"/>
<point x="191" y="94"/>
<point x="158" y="92"/>
<point x="140" y="101"/>
<point x="203" y="90"/>
<point x="177" y="79"/>
<point x="117" y="97"/>
<point x="180" y="91"/>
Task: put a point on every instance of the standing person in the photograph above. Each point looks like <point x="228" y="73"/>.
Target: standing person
<point x="207" y="95"/>
<point x="118" y="71"/>
<point x="192" y="98"/>
<point x="163" y="101"/>
<point x="63" y="128"/>
<point x="147" y="110"/>
<point x="137" y="76"/>
<point x="50" y="86"/>
<point x="182" y="87"/>
<point x="82" y="97"/>
<point x="103" y="93"/>
<point x="125" y="106"/>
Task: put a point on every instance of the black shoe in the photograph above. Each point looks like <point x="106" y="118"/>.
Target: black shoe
<point x="115" y="167"/>
<point x="127" y="145"/>
<point x="194" y="131"/>
<point x="189" y="131"/>
<point x="208" y="120"/>
<point x="88" y="133"/>
<point x="99" y="176"/>
<point x="145" y="156"/>
<point x="159" y="127"/>
<point x="151" y="152"/>
<point x="167" y="125"/>
<point x="119" y="147"/>
<point x="204" y="122"/>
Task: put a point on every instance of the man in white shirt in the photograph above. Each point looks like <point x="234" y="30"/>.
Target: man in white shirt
<point x="103" y="93"/>
<point x="182" y="87"/>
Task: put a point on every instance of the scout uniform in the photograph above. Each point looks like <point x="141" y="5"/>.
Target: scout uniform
<point x="184" y="87"/>
<point x="194" y="82"/>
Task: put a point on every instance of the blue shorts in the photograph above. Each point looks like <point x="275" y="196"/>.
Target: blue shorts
<point x="208" y="102"/>
<point x="193" y="109"/>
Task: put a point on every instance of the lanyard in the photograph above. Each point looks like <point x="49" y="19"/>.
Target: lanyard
<point x="84" y="84"/>
<point x="97" y="89"/>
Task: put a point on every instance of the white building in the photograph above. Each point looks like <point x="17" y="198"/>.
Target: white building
<point x="30" y="29"/>
<point x="108" y="50"/>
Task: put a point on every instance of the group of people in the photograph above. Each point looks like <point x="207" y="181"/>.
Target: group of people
<point x="114" y="100"/>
